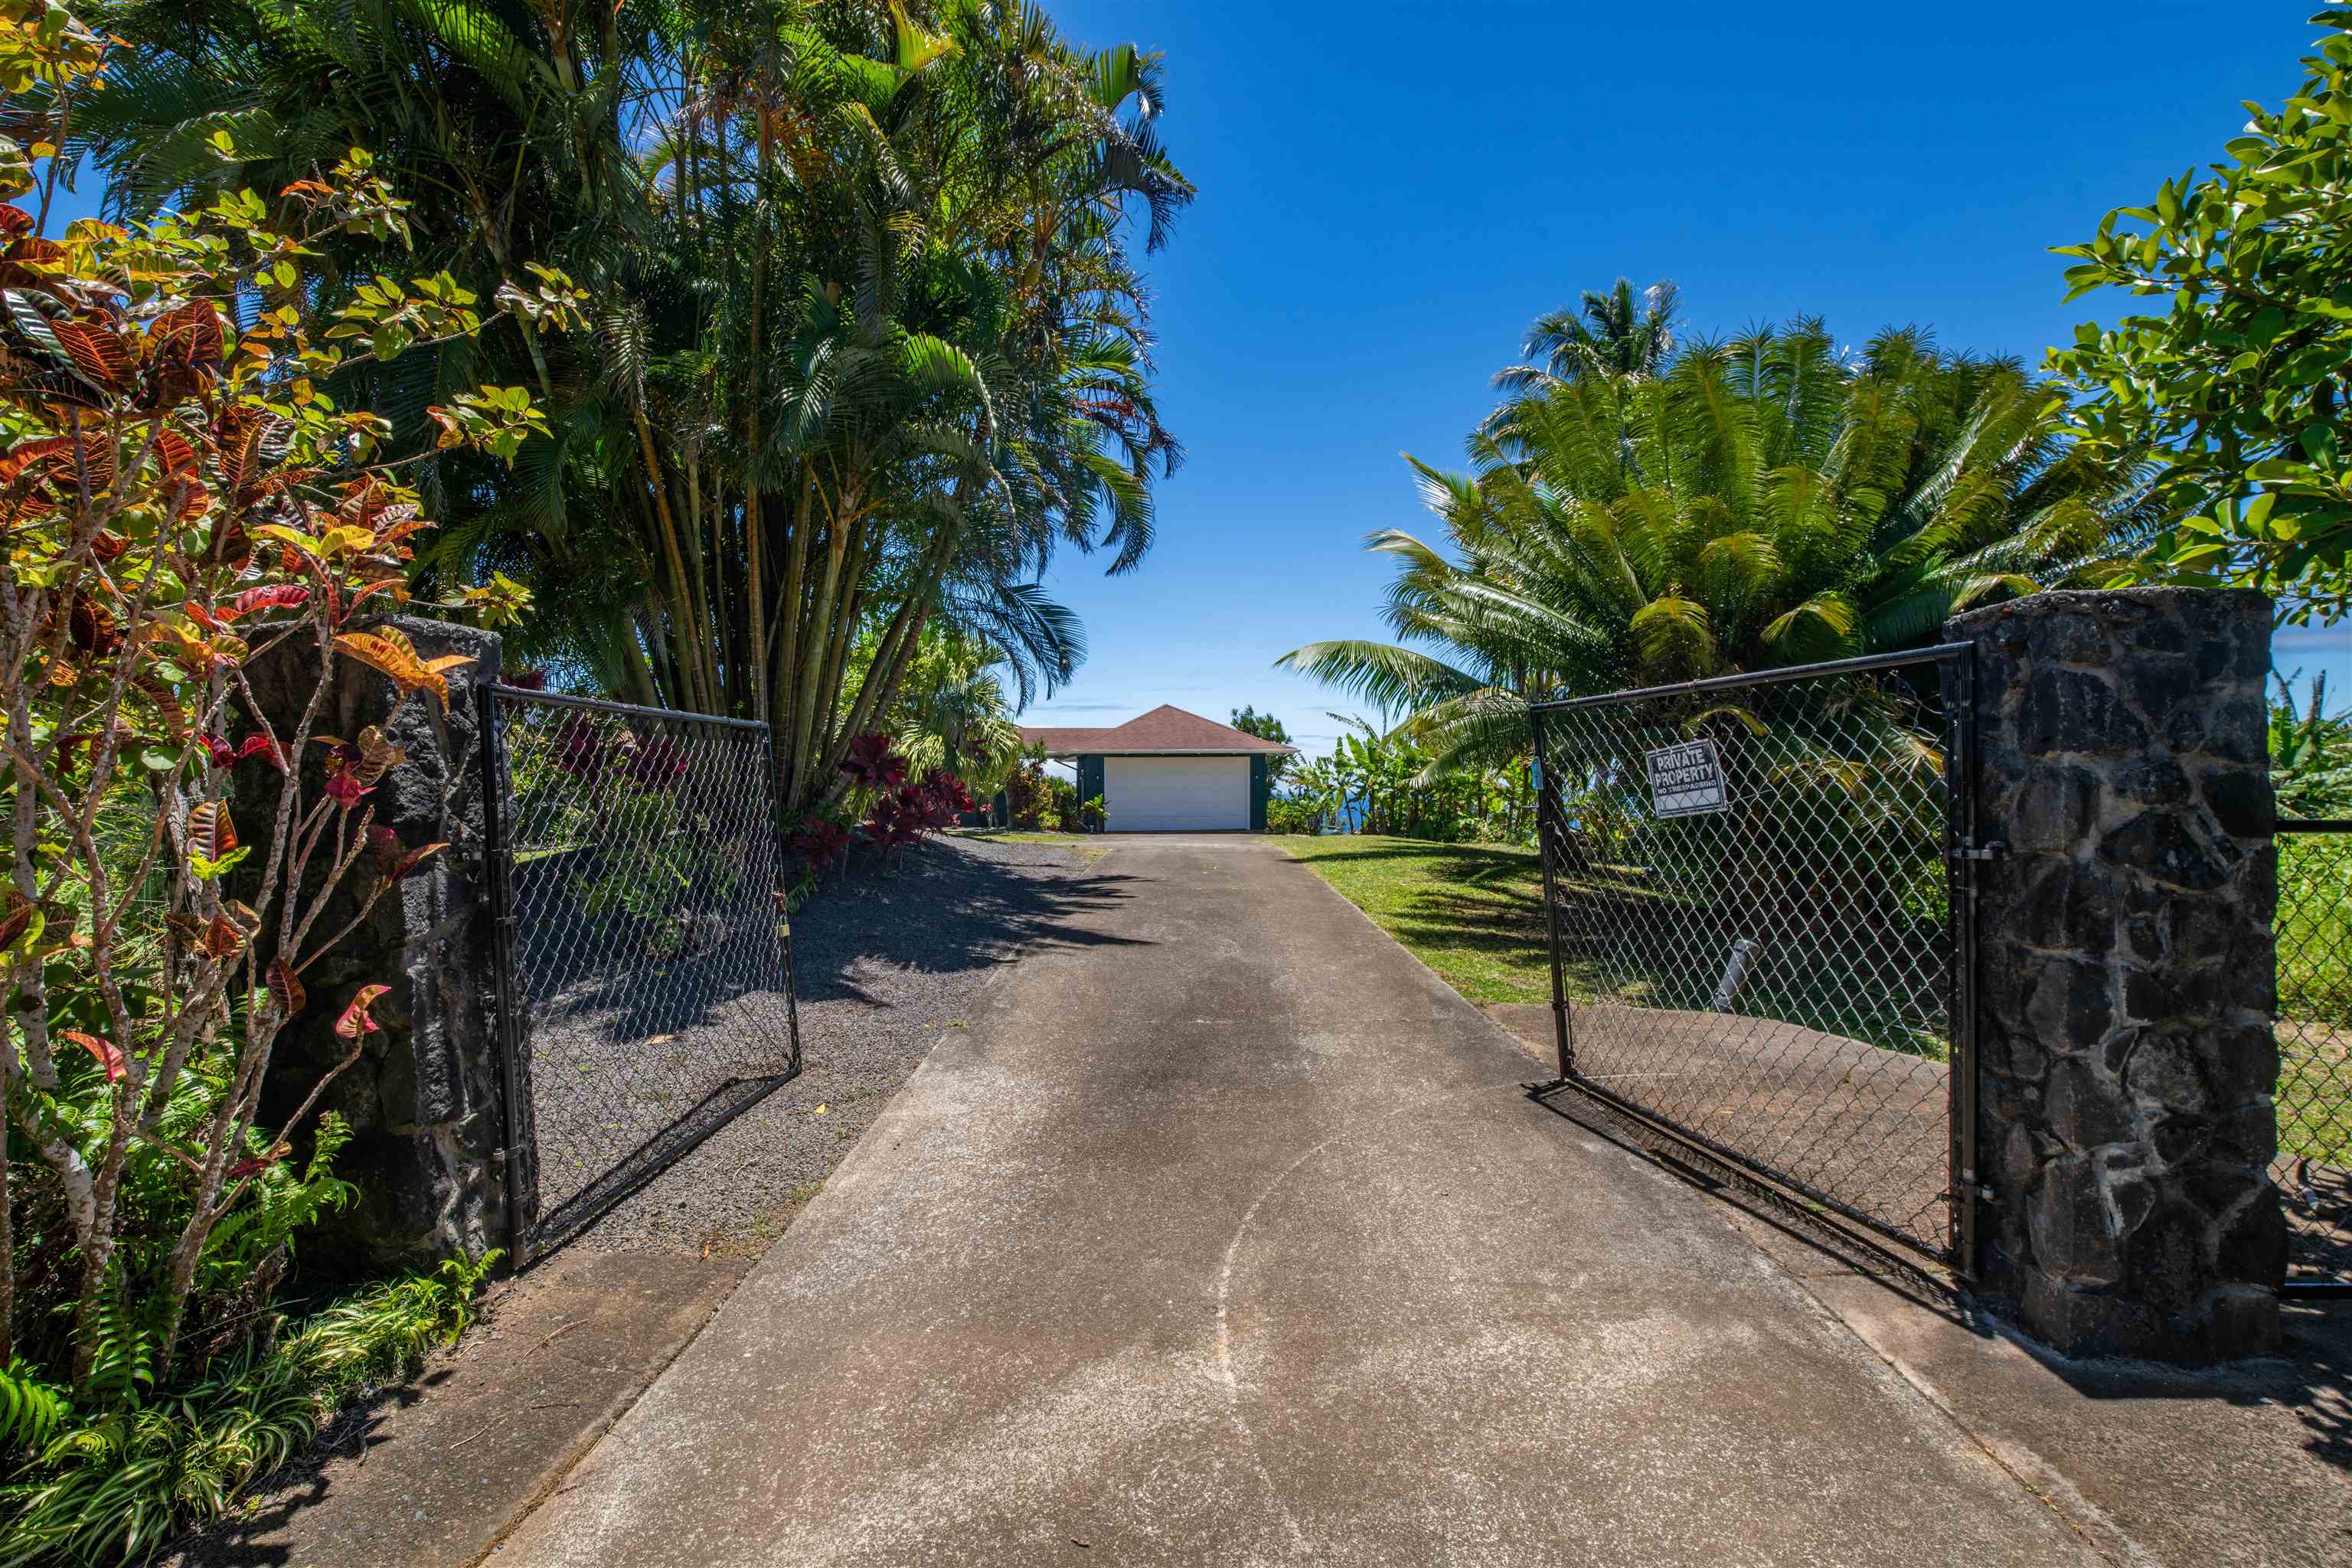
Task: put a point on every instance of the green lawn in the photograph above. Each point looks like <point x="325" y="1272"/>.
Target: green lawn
<point x="1474" y="912"/>
<point x="2315" y="995"/>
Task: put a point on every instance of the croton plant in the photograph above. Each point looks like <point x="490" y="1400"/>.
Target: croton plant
<point x="181" y="495"/>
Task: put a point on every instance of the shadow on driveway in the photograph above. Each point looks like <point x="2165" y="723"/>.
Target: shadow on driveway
<point x="945" y="908"/>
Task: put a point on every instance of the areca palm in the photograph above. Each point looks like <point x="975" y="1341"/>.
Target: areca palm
<point x="1765" y="500"/>
<point x="956" y="714"/>
<point x="872" y="343"/>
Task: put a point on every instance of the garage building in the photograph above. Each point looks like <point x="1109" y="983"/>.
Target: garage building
<point x="1169" y="772"/>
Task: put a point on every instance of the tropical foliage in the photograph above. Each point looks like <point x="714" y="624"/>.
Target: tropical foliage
<point x="953" y="712"/>
<point x="2242" y="388"/>
<point x="1266" y="727"/>
<point x="113" y="1487"/>
<point x="185" y="501"/>
<point x="2311" y="753"/>
<point x="1767" y="499"/>
<point x="870" y="343"/>
<point x="1378" y="781"/>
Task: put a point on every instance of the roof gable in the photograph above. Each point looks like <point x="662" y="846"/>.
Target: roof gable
<point x="1166" y="727"/>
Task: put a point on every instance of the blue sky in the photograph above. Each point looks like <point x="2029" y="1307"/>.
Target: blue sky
<point x="1391" y="192"/>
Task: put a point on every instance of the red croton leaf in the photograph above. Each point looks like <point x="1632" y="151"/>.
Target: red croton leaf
<point x="263" y="746"/>
<point x="414" y="858"/>
<point x="355" y="1023"/>
<point x="108" y="1056"/>
<point x="185" y="350"/>
<point x="175" y="454"/>
<point x="98" y="354"/>
<point x="253" y="1165"/>
<point x="384" y="849"/>
<point x="217" y="748"/>
<point x="343" y="787"/>
<point x="222" y="939"/>
<point x="277" y="596"/>
<point x="394" y="860"/>
<point x="286" y="988"/>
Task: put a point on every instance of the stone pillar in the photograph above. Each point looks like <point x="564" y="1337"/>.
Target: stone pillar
<point x="2126" y="982"/>
<point x="425" y="1100"/>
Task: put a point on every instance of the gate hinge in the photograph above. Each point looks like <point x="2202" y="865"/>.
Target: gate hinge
<point x="1993" y="851"/>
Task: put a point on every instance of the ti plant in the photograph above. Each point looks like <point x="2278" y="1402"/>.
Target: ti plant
<point x="179" y="497"/>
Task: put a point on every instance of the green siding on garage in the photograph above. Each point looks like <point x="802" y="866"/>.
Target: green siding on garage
<point x="1258" y="789"/>
<point x="1090" y="778"/>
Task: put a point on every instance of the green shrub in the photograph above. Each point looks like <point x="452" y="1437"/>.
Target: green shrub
<point x="1292" y="816"/>
<point x="1063" y="808"/>
<point x="109" y="1484"/>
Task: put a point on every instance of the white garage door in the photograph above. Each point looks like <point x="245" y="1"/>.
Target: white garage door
<point x="1176" y="794"/>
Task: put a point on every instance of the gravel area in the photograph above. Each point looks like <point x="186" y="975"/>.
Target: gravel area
<point x="884" y="964"/>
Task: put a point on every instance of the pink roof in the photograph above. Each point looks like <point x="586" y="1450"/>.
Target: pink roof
<point x="1164" y="729"/>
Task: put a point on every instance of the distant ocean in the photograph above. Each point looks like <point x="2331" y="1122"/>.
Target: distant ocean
<point x="2302" y="653"/>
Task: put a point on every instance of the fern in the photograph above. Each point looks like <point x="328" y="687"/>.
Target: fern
<point x="113" y="1487"/>
<point x="31" y="1412"/>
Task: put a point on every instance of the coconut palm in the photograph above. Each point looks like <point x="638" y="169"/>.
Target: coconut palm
<point x="1613" y="334"/>
<point x="1765" y="500"/>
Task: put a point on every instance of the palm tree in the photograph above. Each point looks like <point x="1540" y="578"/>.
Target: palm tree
<point x="871" y="336"/>
<point x="953" y="713"/>
<point x="1611" y="334"/>
<point x="1765" y="500"/>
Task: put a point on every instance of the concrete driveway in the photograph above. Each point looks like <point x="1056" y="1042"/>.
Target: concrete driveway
<point x="1225" y="1238"/>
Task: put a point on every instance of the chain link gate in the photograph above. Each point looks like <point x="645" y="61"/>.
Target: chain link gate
<point x="643" y="962"/>
<point x="2314" y="1027"/>
<point x="1761" y="933"/>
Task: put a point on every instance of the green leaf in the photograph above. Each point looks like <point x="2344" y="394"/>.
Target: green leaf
<point x="207" y="870"/>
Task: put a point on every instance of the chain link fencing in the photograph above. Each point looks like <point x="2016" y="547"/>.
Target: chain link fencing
<point x="2314" y="1027"/>
<point x="637" y="868"/>
<point x="1753" y="886"/>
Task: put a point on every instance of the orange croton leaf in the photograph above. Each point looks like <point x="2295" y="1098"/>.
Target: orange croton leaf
<point x="174" y="451"/>
<point x="211" y="834"/>
<point x="386" y="650"/>
<point x="377" y="757"/>
<point x="108" y="1056"/>
<point x="98" y="354"/>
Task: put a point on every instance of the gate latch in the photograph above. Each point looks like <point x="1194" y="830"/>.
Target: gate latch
<point x="1993" y="851"/>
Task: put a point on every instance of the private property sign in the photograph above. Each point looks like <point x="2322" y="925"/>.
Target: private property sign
<point x="1687" y="780"/>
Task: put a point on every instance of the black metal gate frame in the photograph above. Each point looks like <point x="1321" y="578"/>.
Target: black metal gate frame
<point x="1956" y="665"/>
<point x="519" y="1157"/>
